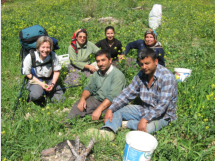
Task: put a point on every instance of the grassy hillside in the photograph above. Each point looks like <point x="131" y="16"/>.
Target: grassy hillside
<point x="187" y="35"/>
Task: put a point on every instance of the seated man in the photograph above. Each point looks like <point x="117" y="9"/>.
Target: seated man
<point x="103" y="87"/>
<point x="157" y="88"/>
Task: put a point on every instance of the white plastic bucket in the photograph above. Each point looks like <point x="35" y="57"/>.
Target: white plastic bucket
<point x="139" y="146"/>
<point x="182" y="73"/>
<point x="64" y="60"/>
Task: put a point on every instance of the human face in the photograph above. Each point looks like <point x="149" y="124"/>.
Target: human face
<point x="150" y="40"/>
<point x="81" y="38"/>
<point x="103" y="63"/>
<point x="44" y="50"/>
<point x="148" y="65"/>
<point x="109" y="34"/>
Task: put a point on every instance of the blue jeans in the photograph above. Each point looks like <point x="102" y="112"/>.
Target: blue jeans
<point x="132" y="114"/>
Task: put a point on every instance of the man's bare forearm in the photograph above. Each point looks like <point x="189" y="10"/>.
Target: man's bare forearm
<point x="85" y="94"/>
<point x="105" y="104"/>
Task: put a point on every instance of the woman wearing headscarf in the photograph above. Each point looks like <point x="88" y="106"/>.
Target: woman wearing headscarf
<point x="150" y="41"/>
<point x="79" y="51"/>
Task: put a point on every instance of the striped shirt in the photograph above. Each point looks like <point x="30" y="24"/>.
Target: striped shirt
<point x="158" y="101"/>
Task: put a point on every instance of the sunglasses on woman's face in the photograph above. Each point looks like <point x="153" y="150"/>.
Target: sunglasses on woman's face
<point x="82" y="37"/>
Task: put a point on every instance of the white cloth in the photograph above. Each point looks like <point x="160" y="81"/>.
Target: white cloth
<point x="41" y="71"/>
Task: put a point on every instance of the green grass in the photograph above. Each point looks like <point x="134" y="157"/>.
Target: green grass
<point x="187" y="35"/>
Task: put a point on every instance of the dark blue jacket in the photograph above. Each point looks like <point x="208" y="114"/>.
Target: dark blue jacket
<point x="139" y="45"/>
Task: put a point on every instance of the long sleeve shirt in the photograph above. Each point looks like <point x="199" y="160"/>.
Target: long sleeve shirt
<point x="83" y="57"/>
<point x="158" y="101"/>
<point x="115" y="49"/>
<point x="106" y="86"/>
<point x="140" y="44"/>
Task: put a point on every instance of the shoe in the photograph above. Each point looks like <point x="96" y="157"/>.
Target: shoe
<point x="102" y="134"/>
<point x="124" y="124"/>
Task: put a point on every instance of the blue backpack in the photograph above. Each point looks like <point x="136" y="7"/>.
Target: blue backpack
<point x="28" y="39"/>
<point x="29" y="36"/>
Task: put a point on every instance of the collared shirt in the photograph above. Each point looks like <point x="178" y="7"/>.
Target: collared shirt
<point x="158" y="101"/>
<point x="108" y="71"/>
<point x="41" y="71"/>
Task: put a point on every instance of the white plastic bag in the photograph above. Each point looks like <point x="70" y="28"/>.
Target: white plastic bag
<point x="155" y="16"/>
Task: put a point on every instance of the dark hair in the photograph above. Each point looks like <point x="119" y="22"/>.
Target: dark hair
<point x="109" y="27"/>
<point x="103" y="51"/>
<point x="82" y="30"/>
<point x="147" y="52"/>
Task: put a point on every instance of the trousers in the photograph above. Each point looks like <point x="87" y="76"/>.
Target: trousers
<point x="37" y="92"/>
<point x="131" y="113"/>
<point x="92" y="105"/>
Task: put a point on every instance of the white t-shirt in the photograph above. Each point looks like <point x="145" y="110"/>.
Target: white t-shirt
<point x="41" y="71"/>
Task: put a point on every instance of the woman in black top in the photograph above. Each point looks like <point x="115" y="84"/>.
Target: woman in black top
<point x="110" y="43"/>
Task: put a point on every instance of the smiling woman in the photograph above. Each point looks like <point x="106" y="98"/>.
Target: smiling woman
<point x="79" y="51"/>
<point x="110" y="43"/>
<point x="43" y="73"/>
<point x="150" y="41"/>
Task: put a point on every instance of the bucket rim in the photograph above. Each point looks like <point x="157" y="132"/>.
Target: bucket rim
<point x="151" y="146"/>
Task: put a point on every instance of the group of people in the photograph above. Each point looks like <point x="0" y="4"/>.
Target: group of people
<point x="106" y="93"/>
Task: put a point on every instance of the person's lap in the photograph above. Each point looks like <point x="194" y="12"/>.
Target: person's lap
<point x="92" y="105"/>
<point x="131" y="113"/>
<point x="37" y="92"/>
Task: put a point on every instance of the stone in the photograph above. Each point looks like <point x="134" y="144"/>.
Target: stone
<point x="138" y="8"/>
<point x="63" y="152"/>
<point x="65" y="110"/>
<point x="100" y="134"/>
<point x="87" y="19"/>
<point x="27" y="116"/>
<point x="108" y="20"/>
<point x="48" y="152"/>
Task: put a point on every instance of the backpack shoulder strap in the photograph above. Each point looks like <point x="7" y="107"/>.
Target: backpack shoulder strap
<point x="33" y="58"/>
<point x="52" y="61"/>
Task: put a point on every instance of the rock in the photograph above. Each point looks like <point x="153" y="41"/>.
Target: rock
<point x="87" y="19"/>
<point x="138" y="8"/>
<point x="27" y="116"/>
<point x="59" y="112"/>
<point x="59" y="134"/>
<point x="108" y="20"/>
<point x="66" y="110"/>
<point x="63" y="152"/>
<point x="48" y="152"/>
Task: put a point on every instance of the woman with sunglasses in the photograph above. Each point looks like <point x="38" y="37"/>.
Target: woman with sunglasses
<point x="79" y="53"/>
<point x="150" y="41"/>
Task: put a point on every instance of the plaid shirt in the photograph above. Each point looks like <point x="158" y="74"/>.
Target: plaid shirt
<point x="158" y="101"/>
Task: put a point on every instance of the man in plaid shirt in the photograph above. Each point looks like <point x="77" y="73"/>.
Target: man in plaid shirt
<point x="157" y="88"/>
